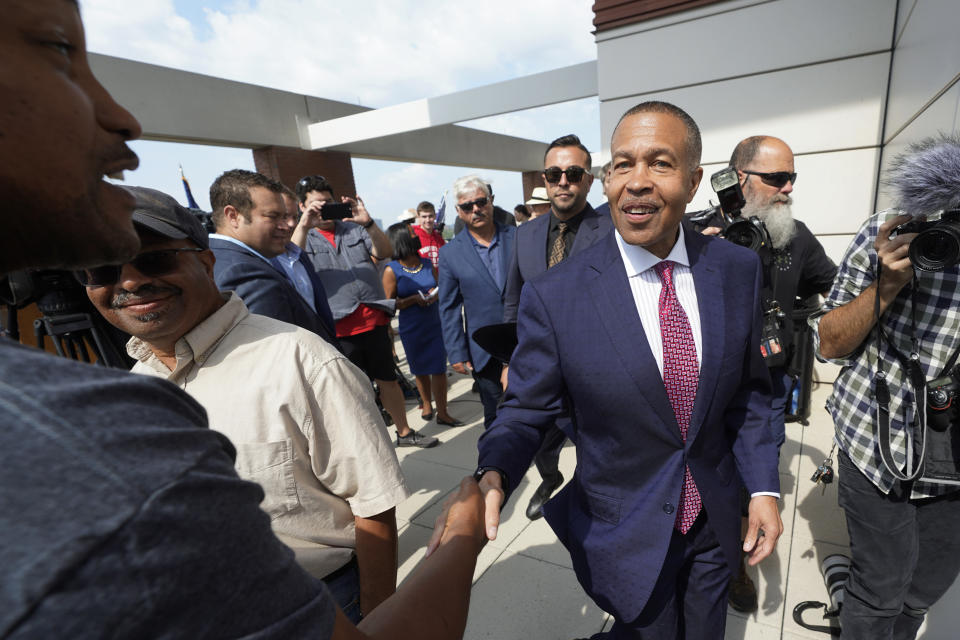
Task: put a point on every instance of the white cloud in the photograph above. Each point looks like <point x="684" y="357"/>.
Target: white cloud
<point x="377" y="52"/>
<point x="372" y="52"/>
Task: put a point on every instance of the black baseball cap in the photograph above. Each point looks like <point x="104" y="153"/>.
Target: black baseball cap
<point x="163" y="215"/>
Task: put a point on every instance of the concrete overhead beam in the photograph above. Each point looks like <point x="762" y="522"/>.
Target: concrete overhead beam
<point x="180" y="106"/>
<point x="537" y="90"/>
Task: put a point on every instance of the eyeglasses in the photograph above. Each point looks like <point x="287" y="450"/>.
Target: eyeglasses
<point x="775" y="179"/>
<point x="468" y="206"/>
<point x="152" y="264"/>
<point x="574" y="174"/>
<point x="305" y="180"/>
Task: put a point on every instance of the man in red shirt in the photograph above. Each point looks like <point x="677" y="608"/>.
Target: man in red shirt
<point x="341" y="252"/>
<point x="430" y="238"/>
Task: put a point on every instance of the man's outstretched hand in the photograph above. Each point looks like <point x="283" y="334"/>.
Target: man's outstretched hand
<point x="481" y="502"/>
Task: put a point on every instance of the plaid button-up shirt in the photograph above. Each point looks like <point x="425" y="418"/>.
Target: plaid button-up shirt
<point x="852" y="403"/>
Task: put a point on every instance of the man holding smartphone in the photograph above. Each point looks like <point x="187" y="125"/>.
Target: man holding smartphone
<point x="341" y="248"/>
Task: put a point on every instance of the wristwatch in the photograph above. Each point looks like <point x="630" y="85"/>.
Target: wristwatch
<point x="478" y="474"/>
<point x="368" y="225"/>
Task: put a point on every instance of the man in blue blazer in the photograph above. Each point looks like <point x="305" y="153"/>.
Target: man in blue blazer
<point x="253" y="229"/>
<point x="649" y="342"/>
<point x="473" y="275"/>
<point x="571" y="226"/>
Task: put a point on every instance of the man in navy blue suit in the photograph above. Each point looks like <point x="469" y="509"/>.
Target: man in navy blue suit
<point x="649" y="342"/>
<point x="253" y="229"/>
<point x="571" y="226"/>
<point x="472" y="280"/>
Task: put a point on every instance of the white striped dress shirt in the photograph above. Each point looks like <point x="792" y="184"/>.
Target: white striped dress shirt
<point x="645" y="285"/>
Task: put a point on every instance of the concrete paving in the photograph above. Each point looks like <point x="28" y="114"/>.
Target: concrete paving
<point x="524" y="586"/>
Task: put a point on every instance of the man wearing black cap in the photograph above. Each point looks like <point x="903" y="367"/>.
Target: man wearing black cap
<point x="312" y="436"/>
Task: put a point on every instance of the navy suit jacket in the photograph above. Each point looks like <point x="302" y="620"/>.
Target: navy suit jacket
<point x="266" y="290"/>
<point x="583" y="351"/>
<point x="465" y="283"/>
<point x="529" y="256"/>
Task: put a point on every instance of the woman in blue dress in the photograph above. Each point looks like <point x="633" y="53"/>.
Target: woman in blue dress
<point x="412" y="280"/>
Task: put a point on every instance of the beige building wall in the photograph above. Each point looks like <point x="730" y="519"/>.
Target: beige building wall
<point x="845" y="82"/>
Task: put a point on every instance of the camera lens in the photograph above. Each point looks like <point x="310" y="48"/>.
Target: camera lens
<point x="744" y="233"/>
<point x="938" y="399"/>
<point x="937" y="248"/>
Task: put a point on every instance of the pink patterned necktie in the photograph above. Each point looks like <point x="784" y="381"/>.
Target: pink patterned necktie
<point x="680" y="376"/>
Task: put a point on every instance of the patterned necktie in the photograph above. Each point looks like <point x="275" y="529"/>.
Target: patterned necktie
<point x="559" y="245"/>
<point x="680" y="376"/>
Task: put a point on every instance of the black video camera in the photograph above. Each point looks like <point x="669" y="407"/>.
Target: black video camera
<point x="749" y="232"/>
<point x="937" y="245"/>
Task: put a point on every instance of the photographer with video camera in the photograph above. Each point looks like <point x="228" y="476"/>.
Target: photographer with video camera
<point x="755" y="212"/>
<point x="892" y="321"/>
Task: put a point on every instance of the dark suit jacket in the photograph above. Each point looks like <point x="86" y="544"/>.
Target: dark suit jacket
<point x="265" y="289"/>
<point x="529" y="258"/>
<point x="583" y="350"/>
<point x="466" y="284"/>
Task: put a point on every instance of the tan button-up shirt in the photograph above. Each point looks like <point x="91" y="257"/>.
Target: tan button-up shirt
<point x="303" y="420"/>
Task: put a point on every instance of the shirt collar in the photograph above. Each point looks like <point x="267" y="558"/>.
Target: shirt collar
<point x="637" y="259"/>
<point x="572" y="224"/>
<point x="196" y="344"/>
<point x="292" y="254"/>
<point x="493" y="242"/>
<point x="219" y="236"/>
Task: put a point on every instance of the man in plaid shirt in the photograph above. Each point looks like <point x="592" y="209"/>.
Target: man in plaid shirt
<point x="903" y="535"/>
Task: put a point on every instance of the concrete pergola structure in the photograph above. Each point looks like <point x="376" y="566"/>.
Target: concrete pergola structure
<point x="293" y="135"/>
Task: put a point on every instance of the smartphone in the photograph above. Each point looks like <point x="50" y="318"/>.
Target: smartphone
<point x="336" y="211"/>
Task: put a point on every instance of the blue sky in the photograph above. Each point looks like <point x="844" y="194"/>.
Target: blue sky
<point x="386" y="53"/>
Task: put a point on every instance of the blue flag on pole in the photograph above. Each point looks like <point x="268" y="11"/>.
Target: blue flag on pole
<point x="441" y="210"/>
<point x="186" y="187"/>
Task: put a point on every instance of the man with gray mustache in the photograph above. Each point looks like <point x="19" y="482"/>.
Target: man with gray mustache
<point x="798" y="267"/>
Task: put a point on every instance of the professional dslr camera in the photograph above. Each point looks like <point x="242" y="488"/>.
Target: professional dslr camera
<point x="937" y="245"/>
<point x="749" y="232"/>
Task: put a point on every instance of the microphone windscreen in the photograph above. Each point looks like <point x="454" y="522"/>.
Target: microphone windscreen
<point x="925" y="178"/>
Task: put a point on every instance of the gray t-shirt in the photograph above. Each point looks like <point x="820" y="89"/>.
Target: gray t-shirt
<point x="347" y="271"/>
<point x="121" y="516"/>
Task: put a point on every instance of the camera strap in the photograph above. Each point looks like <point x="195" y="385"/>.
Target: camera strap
<point x="916" y="433"/>
<point x="911" y="367"/>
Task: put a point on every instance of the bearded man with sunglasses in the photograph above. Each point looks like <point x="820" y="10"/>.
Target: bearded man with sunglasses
<point x="798" y="268"/>
<point x="472" y="280"/>
<point x="571" y="226"/>
<point x="311" y="436"/>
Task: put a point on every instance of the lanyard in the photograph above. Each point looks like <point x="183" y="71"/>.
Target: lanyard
<point x="916" y="433"/>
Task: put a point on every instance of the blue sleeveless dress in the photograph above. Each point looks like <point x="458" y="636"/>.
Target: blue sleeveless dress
<point x="420" y="326"/>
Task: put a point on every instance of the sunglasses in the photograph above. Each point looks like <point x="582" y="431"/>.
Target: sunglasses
<point x="468" y="206"/>
<point x="152" y="264"/>
<point x="775" y="179"/>
<point x="305" y="180"/>
<point x="574" y="174"/>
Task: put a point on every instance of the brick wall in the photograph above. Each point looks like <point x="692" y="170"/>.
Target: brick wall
<point x="288" y="164"/>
